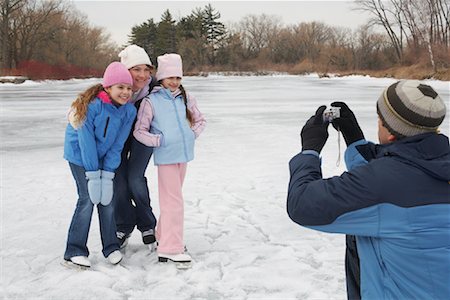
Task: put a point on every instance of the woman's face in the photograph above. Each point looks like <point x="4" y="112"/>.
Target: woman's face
<point x="140" y="74"/>
<point x="171" y="83"/>
<point x="120" y="92"/>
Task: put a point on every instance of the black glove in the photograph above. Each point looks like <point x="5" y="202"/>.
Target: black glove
<point x="347" y="124"/>
<point x="315" y="132"/>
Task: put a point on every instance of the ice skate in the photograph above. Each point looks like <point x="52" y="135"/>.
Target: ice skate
<point x="123" y="239"/>
<point x="77" y="263"/>
<point x="115" y="257"/>
<point x="181" y="260"/>
<point x="152" y="247"/>
<point x="148" y="237"/>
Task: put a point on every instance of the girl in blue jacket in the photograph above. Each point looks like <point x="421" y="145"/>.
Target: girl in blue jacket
<point x="100" y="121"/>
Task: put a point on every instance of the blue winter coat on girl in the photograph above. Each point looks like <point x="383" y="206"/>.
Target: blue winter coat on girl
<point x="97" y="144"/>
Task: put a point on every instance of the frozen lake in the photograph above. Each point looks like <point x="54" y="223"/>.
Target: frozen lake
<point x="236" y="225"/>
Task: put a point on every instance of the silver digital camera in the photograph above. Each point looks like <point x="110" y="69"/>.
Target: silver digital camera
<point x="331" y="113"/>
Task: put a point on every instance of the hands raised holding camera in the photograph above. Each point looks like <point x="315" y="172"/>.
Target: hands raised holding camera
<point x="314" y="133"/>
<point x="347" y="124"/>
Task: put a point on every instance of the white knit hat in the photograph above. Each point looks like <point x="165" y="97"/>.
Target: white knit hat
<point x="409" y="107"/>
<point x="169" y="65"/>
<point x="134" y="55"/>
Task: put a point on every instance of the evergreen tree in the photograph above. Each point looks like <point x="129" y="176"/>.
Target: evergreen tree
<point x="166" y="35"/>
<point x="214" y="30"/>
<point x="191" y="26"/>
<point x="192" y="39"/>
<point x="144" y="35"/>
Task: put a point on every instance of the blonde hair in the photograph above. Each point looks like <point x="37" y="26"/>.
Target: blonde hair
<point x="80" y="105"/>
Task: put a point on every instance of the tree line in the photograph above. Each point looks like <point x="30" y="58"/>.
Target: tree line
<point x="51" y="35"/>
<point x="400" y="33"/>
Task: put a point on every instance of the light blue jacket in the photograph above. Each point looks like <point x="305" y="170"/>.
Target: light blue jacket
<point x="169" y="120"/>
<point x="97" y="144"/>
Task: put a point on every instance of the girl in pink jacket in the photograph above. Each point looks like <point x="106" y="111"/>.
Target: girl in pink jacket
<point x="169" y="120"/>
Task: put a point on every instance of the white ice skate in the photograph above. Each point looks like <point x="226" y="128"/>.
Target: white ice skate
<point x="181" y="260"/>
<point x="115" y="257"/>
<point x="77" y="262"/>
<point x="152" y="247"/>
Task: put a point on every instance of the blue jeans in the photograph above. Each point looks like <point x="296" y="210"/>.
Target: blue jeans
<point x="81" y="221"/>
<point x="130" y="184"/>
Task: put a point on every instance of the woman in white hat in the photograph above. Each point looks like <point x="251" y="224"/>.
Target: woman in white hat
<point x="131" y="194"/>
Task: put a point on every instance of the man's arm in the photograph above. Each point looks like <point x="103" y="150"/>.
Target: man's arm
<point x="344" y="204"/>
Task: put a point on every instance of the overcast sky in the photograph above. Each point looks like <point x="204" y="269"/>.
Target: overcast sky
<point x="118" y="17"/>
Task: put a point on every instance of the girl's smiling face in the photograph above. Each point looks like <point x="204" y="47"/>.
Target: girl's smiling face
<point x="120" y="92"/>
<point x="171" y="83"/>
<point x="140" y="74"/>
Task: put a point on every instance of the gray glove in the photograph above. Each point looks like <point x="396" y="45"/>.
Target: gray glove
<point x="107" y="187"/>
<point x="94" y="186"/>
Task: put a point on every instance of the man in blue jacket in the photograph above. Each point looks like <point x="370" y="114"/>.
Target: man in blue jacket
<point x="395" y="198"/>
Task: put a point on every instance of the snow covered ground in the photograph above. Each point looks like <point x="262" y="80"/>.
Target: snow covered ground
<point x="243" y="243"/>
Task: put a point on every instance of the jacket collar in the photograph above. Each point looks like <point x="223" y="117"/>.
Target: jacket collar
<point x="166" y="92"/>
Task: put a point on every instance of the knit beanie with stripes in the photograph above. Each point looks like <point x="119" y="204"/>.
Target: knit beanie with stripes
<point x="408" y="108"/>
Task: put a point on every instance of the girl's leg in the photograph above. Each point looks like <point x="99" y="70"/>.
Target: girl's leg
<point x="81" y="220"/>
<point x="171" y="220"/>
<point x="125" y="212"/>
<point x="108" y="229"/>
<point x="137" y="182"/>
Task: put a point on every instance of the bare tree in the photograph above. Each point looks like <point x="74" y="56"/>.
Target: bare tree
<point x="338" y="52"/>
<point x="314" y="36"/>
<point x="257" y="31"/>
<point x="7" y="9"/>
<point x="287" y="46"/>
<point x="425" y="25"/>
<point x="34" y="27"/>
<point x="443" y="9"/>
<point x="389" y="15"/>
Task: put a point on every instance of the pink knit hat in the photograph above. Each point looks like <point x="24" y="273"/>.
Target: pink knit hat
<point x="169" y="65"/>
<point x="116" y="73"/>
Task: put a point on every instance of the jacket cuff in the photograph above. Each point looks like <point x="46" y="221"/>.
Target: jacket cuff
<point x="311" y="152"/>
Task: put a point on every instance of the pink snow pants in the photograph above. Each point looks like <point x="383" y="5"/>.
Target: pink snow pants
<point x="170" y="226"/>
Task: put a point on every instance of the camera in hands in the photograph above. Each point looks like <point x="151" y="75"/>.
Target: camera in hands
<point x="331" y="113"/>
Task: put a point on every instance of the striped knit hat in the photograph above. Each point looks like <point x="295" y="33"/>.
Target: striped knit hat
<point x="408" y="108"/>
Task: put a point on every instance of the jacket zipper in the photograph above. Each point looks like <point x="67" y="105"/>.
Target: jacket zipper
<point x="106" y="127"/>
<point x="180" y="127"/>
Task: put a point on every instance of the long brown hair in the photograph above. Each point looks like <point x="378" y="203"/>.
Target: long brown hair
<point x="188" y="112"/>
<point x="80" y="105"/>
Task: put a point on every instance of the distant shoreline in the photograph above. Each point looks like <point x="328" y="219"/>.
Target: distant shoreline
<point x="397" y="73"/>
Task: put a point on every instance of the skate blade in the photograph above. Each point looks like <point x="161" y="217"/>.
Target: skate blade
<point x="125" y="243"/>
<point x="70" y="265"/>
<point x="183" y="265"/>
<point x="152" y="247"/>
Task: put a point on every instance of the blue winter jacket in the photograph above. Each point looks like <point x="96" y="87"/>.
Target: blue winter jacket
<point x="169" y="120"/>
<point x="97" y="144"/>
<point x="396" y="200"/>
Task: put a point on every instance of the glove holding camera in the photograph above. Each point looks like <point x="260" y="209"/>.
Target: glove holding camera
<point x="347" y="124"/>
<point x="315" y="132"/>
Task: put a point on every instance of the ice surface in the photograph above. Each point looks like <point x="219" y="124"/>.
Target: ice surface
<point x="236" y="226"/>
